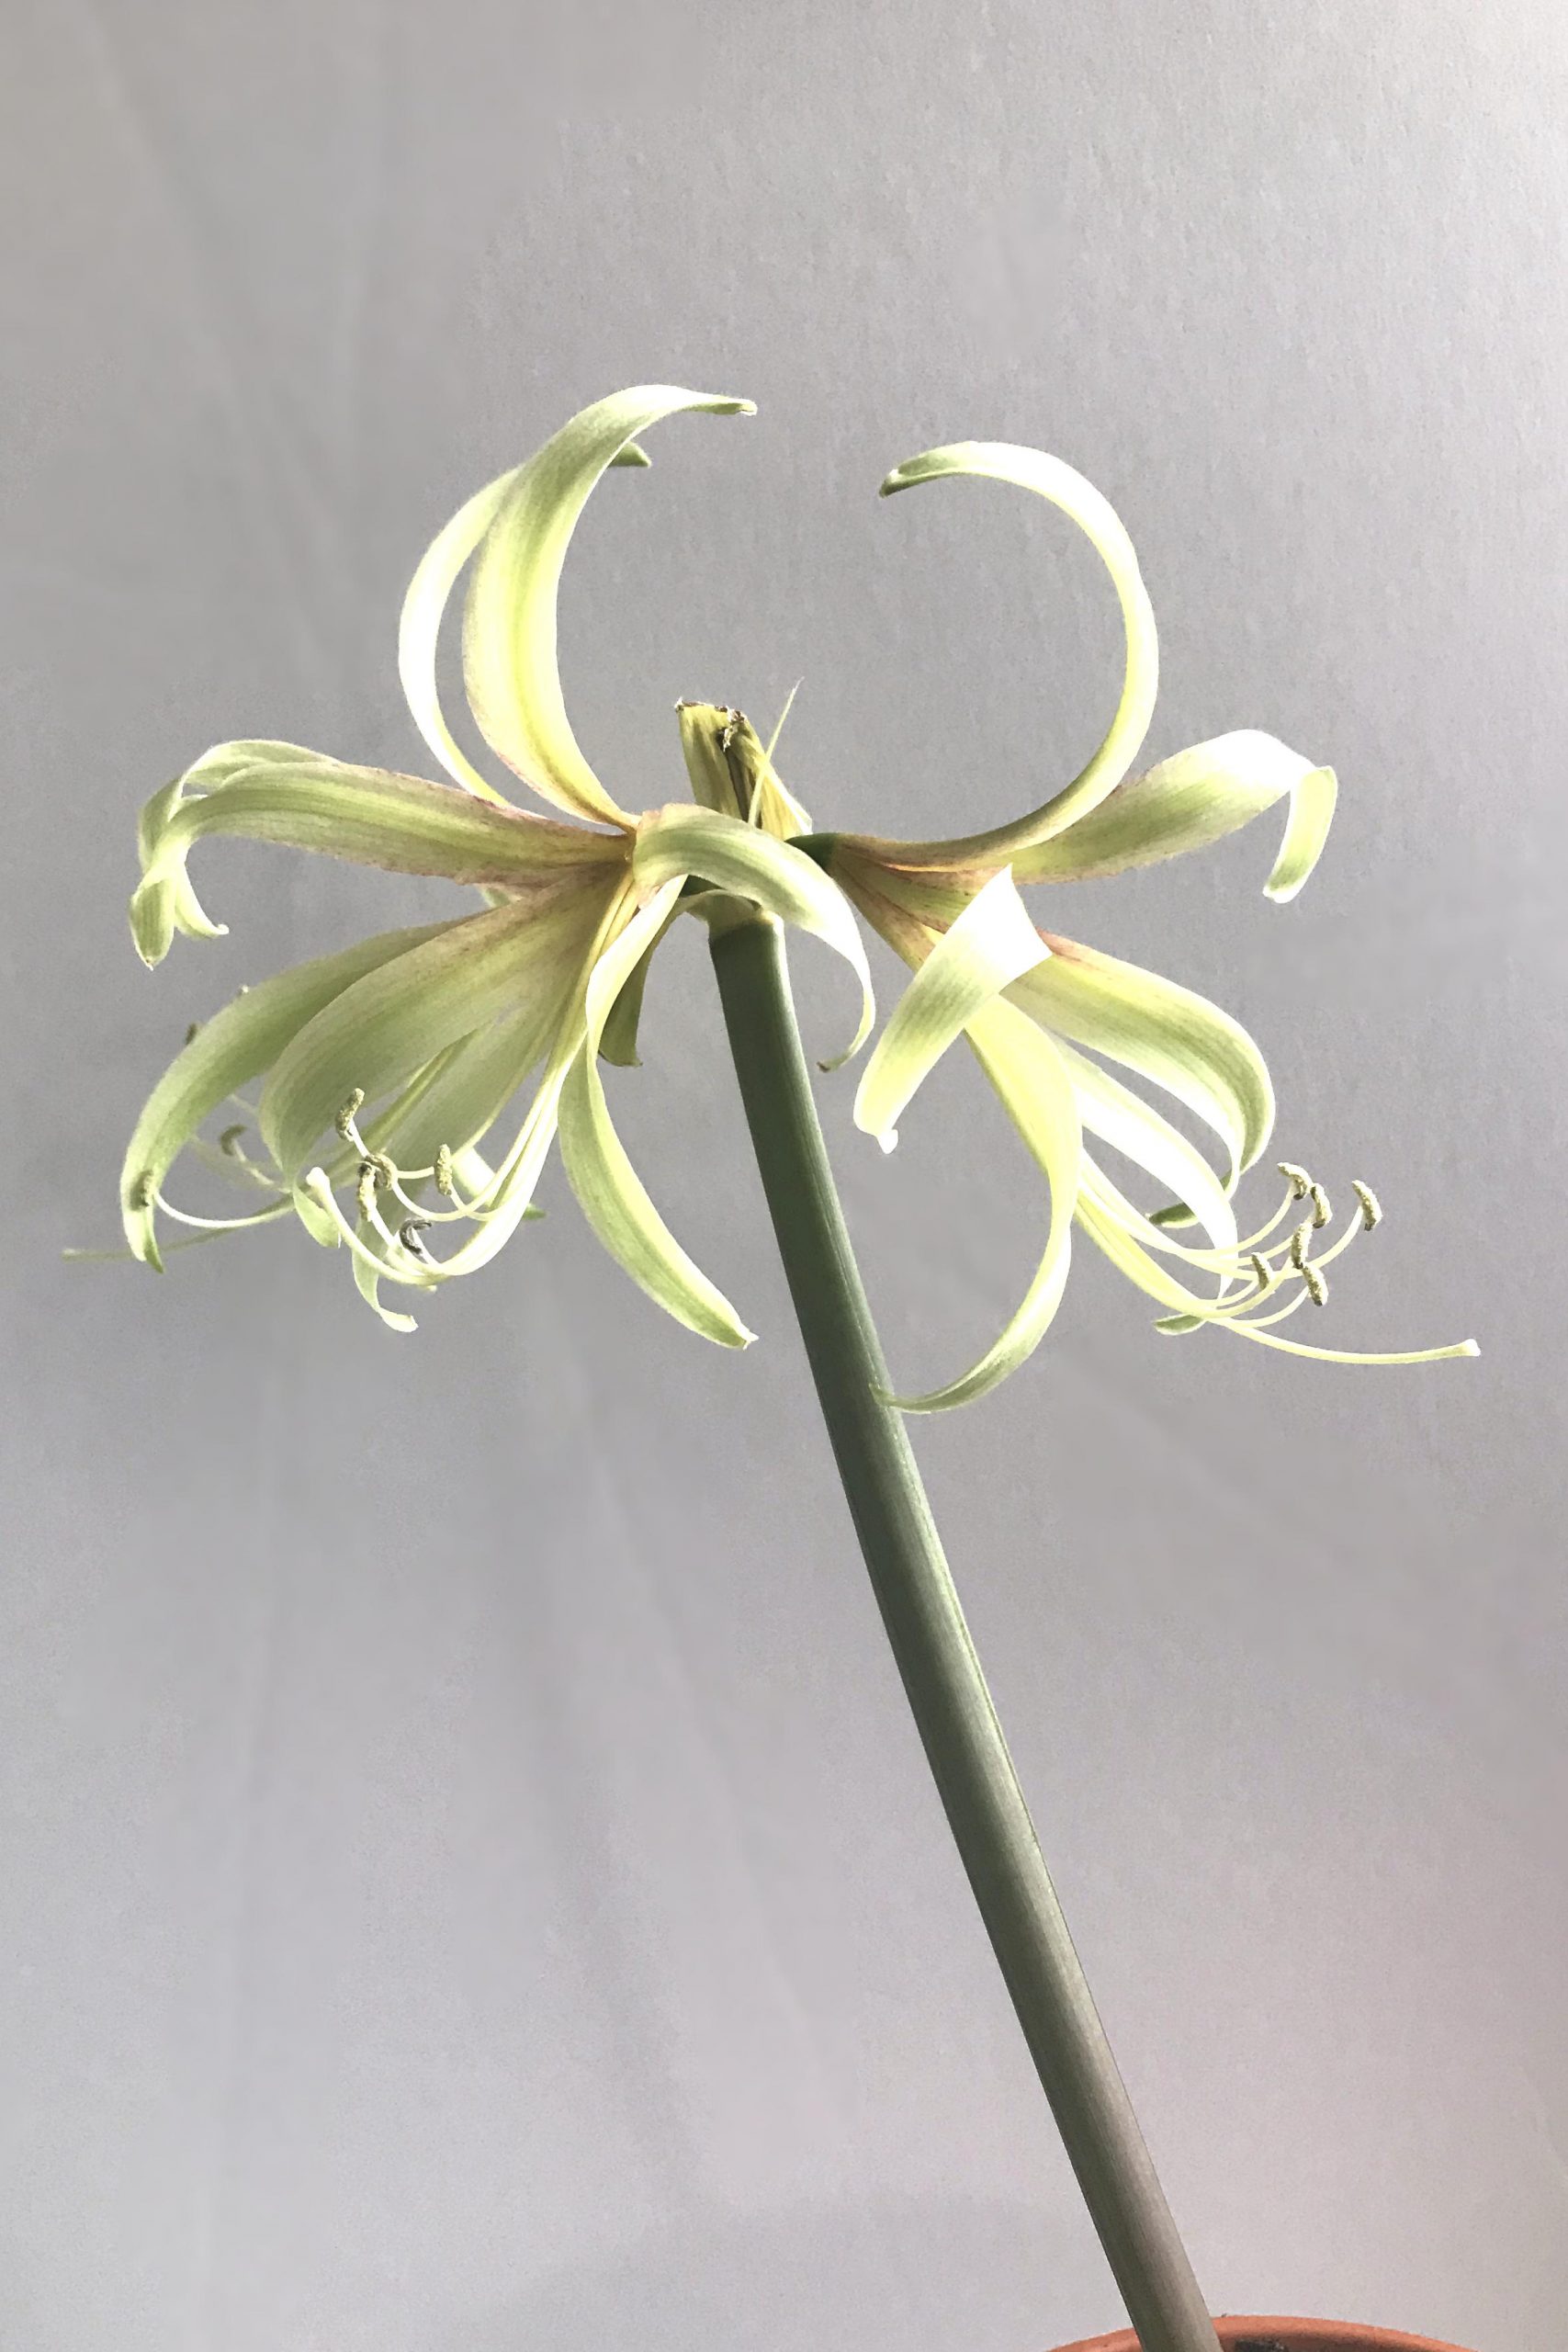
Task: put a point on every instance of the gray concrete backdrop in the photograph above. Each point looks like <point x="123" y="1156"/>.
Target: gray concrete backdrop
<point x="467" y="1881"/>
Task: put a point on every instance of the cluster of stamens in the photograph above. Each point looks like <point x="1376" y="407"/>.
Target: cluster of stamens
<point x="1274" y="1265"/>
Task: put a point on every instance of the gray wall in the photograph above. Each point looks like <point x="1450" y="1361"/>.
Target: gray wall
<point x="469" y="1883"/>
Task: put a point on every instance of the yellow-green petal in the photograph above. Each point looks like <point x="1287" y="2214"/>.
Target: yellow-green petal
<point x="377" y="1033"/>
<point x="1196" y="797"/>
<point x="1132" y="1127"/>
<point x="368" y="816"/>
<point x="611" y="1194"/>
<point x="510" y="625"/>
<point x="745" y="864"/>
<point x="1050" y="479"/>
<point x="1166" y="1033"/>
<point x="227" y="1052"/>
<point x="992" y="943"/>
<point x="1029" y="1075"/>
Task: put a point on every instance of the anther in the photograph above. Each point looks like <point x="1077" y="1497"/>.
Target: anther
<point x="410" y="1234"/>
<point x="193" y="1033"/>
<point x="1321" y="1210"/>
<point x="1300" y="1241"/>
<point x="1296" y="1178"/>
<point x="444" y="1179"/>
<point x="228" y="1141"/>
<point x="1372" y="1207"/>
<point x="346" y="1117"/>
<point x="1317" y="1287"/>
<point x="367" y="1188"/>
<point x="1262" y="1269"/>
<point x="142" y="1191"/>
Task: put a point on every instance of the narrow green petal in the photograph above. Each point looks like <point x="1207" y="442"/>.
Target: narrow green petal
<point x="1121" y="1118"/>
<point x="607" y="1186"/>
<point x="1029" y="1074"/>
<point x="1051" y="479"/>
<point x="746" y="864"/>
<point x="381" y="1030"/>
<point x="1191" y="800"/>
<point x="992" y="943"/>
<point x="419" y="627"/>
<point x="367" y="1282"/>
<point x="510" y="625"/>
<point x="1165" y="1033"/>
<point x="227" y="1052"/>
<point x="463" y="1090"/>
<point x="369" y="816"/>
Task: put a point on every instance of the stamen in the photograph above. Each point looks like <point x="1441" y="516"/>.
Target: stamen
<point x="211" y="1224"/>
<point x="1296" y="1178"/>
<point x="347" y="1115"/>
<point x="1299" y="1242"/>
<point x="1372" y="1207"/>
<point x="1321" y="1212"/>
<point x="1317" y="1289"/>
<point x="444" y="1184"/>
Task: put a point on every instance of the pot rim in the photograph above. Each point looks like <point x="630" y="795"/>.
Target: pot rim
<point x="1236" y="2329"/>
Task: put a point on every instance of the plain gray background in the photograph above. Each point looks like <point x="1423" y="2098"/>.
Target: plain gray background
<point x="468" y="1881"/>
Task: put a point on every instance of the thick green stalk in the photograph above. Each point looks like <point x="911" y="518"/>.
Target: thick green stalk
<point x="941" y="1675"/>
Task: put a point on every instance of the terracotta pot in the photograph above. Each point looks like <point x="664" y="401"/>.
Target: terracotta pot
<point x="1268" y="2334"/>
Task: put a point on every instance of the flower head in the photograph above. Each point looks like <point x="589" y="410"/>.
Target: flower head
<point x="385" y="1070"/>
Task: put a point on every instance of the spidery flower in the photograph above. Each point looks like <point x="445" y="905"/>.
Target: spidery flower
<point x="387" y="1069"/>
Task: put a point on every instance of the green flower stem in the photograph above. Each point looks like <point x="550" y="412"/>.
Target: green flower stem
<point x="941" y="1675"/>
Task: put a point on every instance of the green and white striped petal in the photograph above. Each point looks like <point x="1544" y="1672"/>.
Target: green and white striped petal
<point x="1051" y="479"/>
<point x="377" y="1034"/>
<point x="1028" y="1072"/>
<point x="510" y="625"/>
<point x="1197" y="797"/>
<point x="368" y="816"/>
<point x="1164" y="1032"/>
<point x="737" y="859"/>
<point x="992" y="943"/>
<point x="226" y="1053"/>
<point x="611" y="1194"/>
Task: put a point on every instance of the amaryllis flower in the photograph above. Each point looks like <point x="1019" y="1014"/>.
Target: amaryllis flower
<point x="386" y="1069"/>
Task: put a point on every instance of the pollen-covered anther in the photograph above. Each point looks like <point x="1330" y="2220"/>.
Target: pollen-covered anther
<point x="1296" y="1178"/>
<point x="142" y="1190"/>
<point x="1300" y="1241"/>
<point x="368" y="1185"/>
<point x="1321" y="1212"/>
<point x="1316" y="1286"/>
<point x="444" y="1183"/>
<point x="411" y="1234"/>
<point x="1372" y="1207"/>
<point x="350" y="1111"/>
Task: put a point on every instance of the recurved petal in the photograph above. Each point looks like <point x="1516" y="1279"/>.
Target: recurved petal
<point x="746" y="864"/>
<point x="1029" y="1075"/>
<point x="425" y="608"/>
<point x="369" y="816"/>
<point x="1195" y="798"/>
<point x="1050" y="479"/>
<point x="1164" y="1032"/>
<point x="992" y="943"/>
<point x="377" y="1033"/>
<point x="510" y="626"/>
<point x="611" y="1194"/>
<point x="227" y="1052"/>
